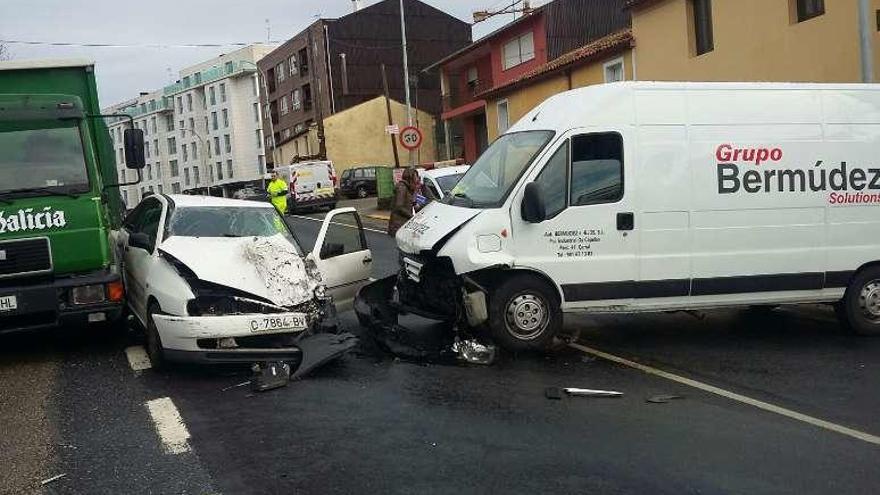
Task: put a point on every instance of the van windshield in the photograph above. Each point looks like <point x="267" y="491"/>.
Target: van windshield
<point x="488" y="182"/>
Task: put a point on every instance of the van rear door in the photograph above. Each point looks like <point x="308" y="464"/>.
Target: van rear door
<point x="588" y="241"/>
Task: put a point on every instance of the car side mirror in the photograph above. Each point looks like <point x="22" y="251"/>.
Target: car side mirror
<point x="133" y="140"/>
<point x="139" y="240"/>
<point x="533" y="208"/>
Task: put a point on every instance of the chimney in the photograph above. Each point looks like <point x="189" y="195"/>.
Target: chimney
<point x="356" y="4"/>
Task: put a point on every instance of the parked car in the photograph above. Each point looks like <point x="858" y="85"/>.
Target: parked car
<point x="358" y="182"/>
<point x="224" y="280"/>
<point x="311" y="185"/>
<point x="251" y="194"/>
<point x="438" y="183"/>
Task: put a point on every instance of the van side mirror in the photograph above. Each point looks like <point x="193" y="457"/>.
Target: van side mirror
<point x="133" y="140"/>
<point x="533" y="208"/>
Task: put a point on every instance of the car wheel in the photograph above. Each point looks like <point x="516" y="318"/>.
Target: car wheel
<point x="362" y="192"/>
<point x="524" y="313"/>
<point x="860" y="306"/>
<point x="155" y="351"/>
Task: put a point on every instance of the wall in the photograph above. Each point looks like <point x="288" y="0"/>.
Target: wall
<point x="357" y="136"/>
<point x="523" y="99"/>
<point x="536" y="25"/>
<point x="754" y="40"/>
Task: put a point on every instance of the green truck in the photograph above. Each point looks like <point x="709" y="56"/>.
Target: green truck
<point x="59" y="198"/>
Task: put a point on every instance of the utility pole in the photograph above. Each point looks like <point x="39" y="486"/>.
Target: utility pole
<point x="319" y="103"/>
<point x="409" y="112"/>
<point x="390" y="120"/>
<point x="865" y="41"/>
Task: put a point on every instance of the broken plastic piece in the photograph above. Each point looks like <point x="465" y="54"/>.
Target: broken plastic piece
<point x="270" y="376"/>
<point x="662" y="399"/>
<point x="474" y="352"/>
<point x="586" y="392"/>
<point x="322" y="348"/>
<point x="53" y="478"/>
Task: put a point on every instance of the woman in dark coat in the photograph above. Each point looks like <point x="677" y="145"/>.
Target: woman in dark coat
<point x="404" y="200"/>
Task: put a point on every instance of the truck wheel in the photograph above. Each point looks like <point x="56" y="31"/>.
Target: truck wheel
<point x="524" y="314"/>
<point x="155" y="351"/>
<point x="361" y="192"/>
<point x="861" y="304"/>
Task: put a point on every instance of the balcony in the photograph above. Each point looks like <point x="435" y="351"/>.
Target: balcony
<point x="162" y="105"/>
<point x="228" y="69"/>
<point x="470" y="94"/>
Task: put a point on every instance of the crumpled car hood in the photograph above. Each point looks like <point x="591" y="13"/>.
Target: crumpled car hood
<point x="430" y="225"/>
<point x="268" y="267"/>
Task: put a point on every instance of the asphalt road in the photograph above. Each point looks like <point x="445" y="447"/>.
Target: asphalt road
<point x="71" y="404"/>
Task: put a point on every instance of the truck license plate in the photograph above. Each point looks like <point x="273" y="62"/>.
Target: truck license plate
<point x="272" y="323"/>
<point x="8" y="303"/>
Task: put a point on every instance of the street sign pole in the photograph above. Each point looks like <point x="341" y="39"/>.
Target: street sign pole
<point x="409" y="112"/>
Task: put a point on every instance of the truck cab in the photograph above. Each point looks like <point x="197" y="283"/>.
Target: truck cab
<point x="57" y="199"/>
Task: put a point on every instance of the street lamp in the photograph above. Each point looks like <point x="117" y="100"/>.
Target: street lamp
<point x="205" y="146"/>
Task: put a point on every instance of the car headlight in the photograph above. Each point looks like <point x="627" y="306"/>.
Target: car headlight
<point x="321" y="292"/>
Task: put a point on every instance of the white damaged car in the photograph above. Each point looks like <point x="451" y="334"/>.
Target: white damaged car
<point x="222" y="280"/>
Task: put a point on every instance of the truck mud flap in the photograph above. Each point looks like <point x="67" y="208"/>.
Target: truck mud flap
<point x="405" y="335"/>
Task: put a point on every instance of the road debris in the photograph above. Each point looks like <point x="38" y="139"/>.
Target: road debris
<point x="242" y="384"/>
<point x="52" y="479"/>
<point x="472" y="351"/>
<point x="556" y="393"/>
<point x="322" y="348"/>
<point x="269" y="376"/>
<point x="663" y="398"/>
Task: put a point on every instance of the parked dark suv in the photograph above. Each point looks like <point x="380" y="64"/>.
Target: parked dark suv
<point x="358" y="182"/>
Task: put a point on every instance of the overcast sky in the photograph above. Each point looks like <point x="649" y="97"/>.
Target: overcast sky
<point x="124" y="72"/>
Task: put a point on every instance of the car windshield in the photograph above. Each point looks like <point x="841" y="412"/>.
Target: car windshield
<point x="488" y="182"/>
<point x="447" y="182"/>
<point x="225" y="221"/>
<point x="42" y="156"/>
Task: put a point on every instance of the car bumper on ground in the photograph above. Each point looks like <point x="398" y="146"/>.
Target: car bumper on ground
<point x="209" y="339"/>
<point x="48" y="302"/>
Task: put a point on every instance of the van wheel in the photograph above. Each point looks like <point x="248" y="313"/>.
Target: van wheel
<point x="861" y="304"/>
<point x="155" y="351"/>
<point x="524" y="314"/>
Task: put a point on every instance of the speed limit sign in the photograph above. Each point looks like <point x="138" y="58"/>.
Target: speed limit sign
<point x="410" y="137"/>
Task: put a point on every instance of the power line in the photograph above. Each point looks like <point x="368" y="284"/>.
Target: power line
<point x="138" y="45"/>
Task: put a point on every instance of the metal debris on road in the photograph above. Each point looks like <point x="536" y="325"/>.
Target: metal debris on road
<point x="52" y="479"/>
<point x="474" y="352"/>
<point x="270" y="376"/>
<point x="557" y="393"/>
<point x="242" y="384"/>
<point x="663" y="399"/>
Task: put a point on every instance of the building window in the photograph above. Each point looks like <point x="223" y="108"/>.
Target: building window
<point x="153" y="124"/>
<point x="212" y="95"/>
<point x="256" y="112"/>
<point x="472" y="78"/>
<point x="228" y="169"/>
<point x="291" y="65"/>
<point x="702" y="21"/>
<point x="179" y="104"/>
<point x="172" y="146"/>
<point x="222" y="92"/>
<point x="175" y="188"/>
<point x="519" y="50"/>
<point x="214" y="120"/>
<point x="225" y="118"/>
<point x="503" y="117"/>
<point x="303" y="56"/>
<point x="228" y="66"/>
<point x="147" y="149"/>
<point x="182" y="129"/>
<point x="149" y="172"/>
<point x="184" y="151"/>
<point x="196" y="175"/>
<point x="158" y="170"/>
<point x="279" y="72"/>
<point x="156" y="147"/>
<point x="614" y="70"/>
<point x="216" y="145"/>
<point x="285" y="134"/>
<point x="189" y="102"/>
<point x="219" y="170"/>
<point x="296" y="99"/>
<point x="175" y="170"/>
<point x="807" y="9"/>
<point x="169" y="123"/>
<point x="186" y="176"/>
<point x="284" y="108"/>
<point x="227" y="143"/>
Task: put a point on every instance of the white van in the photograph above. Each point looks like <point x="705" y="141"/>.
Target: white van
<point x="310" y="185"/>
<point x="659" y="196"/>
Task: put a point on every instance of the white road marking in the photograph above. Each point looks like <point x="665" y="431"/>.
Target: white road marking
<point x="137" y="358"/>
<point x="821" y="423"/>
<point x="346" y="225"/>
<point x="169" y="425"/>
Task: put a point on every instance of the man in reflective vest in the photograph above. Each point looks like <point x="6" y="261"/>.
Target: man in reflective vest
<point x="277" y="190"/>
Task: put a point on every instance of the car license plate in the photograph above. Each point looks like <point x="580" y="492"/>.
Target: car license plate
<point x="272" y="323"/>
<point x="8" y="303"/>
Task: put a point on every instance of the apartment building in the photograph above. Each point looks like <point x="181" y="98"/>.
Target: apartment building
<point x="203" y="134"/>
<point x="335" y="64"/>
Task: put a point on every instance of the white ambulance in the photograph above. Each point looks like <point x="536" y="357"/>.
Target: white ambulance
<point x="659" y="196"/>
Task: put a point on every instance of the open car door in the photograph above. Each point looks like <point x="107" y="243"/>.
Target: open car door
<point x="342" y="255"/>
